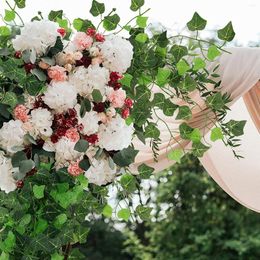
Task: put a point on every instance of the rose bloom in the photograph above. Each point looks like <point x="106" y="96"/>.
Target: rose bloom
<point x="72" y="134"/>
<point x="21" y="113"/>
<point x="74" y="169"/>
<point x="82" y="41"/>
<point x="116" y="97"/>
<point x="57" y="73"/>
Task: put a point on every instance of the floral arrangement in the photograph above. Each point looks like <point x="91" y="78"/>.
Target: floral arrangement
<point x="72" y="99"/>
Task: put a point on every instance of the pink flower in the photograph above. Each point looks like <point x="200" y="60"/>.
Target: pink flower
<point x="21" y="113"/>
<point x="57" y="73"/>
<point x="74" y="169"/>
<point x="117" y="97"/>
<point x="97" y="60"/>
<point x="72" y="134"/>
<point x="82" y="41"/>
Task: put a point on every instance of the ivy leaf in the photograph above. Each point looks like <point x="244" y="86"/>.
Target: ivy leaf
<point x="178" y="51"/>
<point x="38" y="191"/>
<point x="56" y="256"/>
<point x="60" y="220"/>
<point x="9" y="242"/>
<point x="85" y="106"/>
<point x="182" y="67"/>
<point x="126" y="80"/>
<point x="196" y="23"/>
<point x="54" y="15"/>
<point x="81" y="146"/>
<point x="169" y="108"/>
<point x="97" y="8"/>
<point x="198" y="149"/>
<point x="143" y="212"/>
<point x="198" y="64"/>
<point x="185" y="131"/>
<point x="175" y="155"/>
<point x="58" y="47"/>
<point x="10" y="99"/>
<point x="236" y="127"/>
<point x="195" y="135"/>
<point x="145" y="171"/>
<point x="189" y="84"/>
<point x="213" y="52"/>
<point x="136" y="4"/>
<point x="40" y="227"/>
<point x="227" y="33"/>
<point x="9" y="15"/>
<point x="82" y="25"/>
<point x="110" y="22"/>
<point x="158" y="100"/>
<point x="141" y="21"/>
<point x="184" y="113"/>
<point x="125" y="157"/>
<point x="162" y="76"/>
<point x="216" y="134"/>
<point x="215" y="101"/>
<point x="107" y="211"/>
<point x="128" y="182"/>
<point x="124" y="214"/>
<point x="151" y="131"/>
<point x="97" y="96"/>
<point x="20" y="3"/>
<point x="25" y="166"/>
<point x="141" y="37"/>
<point x="5" y="31"/>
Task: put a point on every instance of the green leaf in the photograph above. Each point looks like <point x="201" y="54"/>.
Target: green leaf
<point x="56" y="256"/>
<point x="185" y="131"/>
<point x="124" y="214"/>
<point x="82" y="25"/>
<point x="141" y="21"/>
<point x="97" y="8"/>
<point x="54" y="15"/>
<point x="60" y="220"/>
<point x="58" y="47"/>
<point x="178" y="51"/>
<point x="126" y="80"/>
<point x="189" y="84"/>
<point x="158" y="100"/>
<point x="143" y="212"/>
<point x="97" y="96"/>
<point x="107" y="211"/>
<point x="175" y="155"/>
<point x="182" y="67"/>
<point x="9" y="15"/>
<point x="20" y="3"/>
<point x="10" y="99"/>
<point x="85" y="106"/>
<point x="216" y="134"/>
<point x="198" y="149"/>
<point x="128" y="182"/>
<point x="110" y="22"/>
<point x="215" y="101"/>
<point x="169" y="108"/>
<point x="84" y="164"/>
<point x="125" y="157"/>
<point x="26" y="219"/>
<point x="236" y="127"/>
<point x="145" y="171"/>
<point x="196" y="23"/>
<point x="141" y="37"/>
<point x="195" y="135"/>
<point x="198" y="64"/>
<point x="162" y="77"/>
<point x="26" y="165"/>
<point x="9" y="242"/>
<point x="151" y="131"/>
<point x="5" y="31"/>
<point x="38" y="191"/>
<point x="17" y="158"/>
<point x="40" y="226"/>
<point x="227" y="33"/>
<point x="4" y="256"/>
<point x="63" y="23"/>
<point x="136" y="4"/>
<point x="77" y="24"/>
<point x="81" y="146"/>
<point x="184" y="113"/>
<point x="213" y="52"/>
<point x="39" y="74"/>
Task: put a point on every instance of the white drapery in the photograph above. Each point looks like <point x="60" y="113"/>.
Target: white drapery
<point x="240" y="74"/>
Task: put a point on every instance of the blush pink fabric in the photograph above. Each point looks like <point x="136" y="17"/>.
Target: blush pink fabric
<point x="240" y="73"/>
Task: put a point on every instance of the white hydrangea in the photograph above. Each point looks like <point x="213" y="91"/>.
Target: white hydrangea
<point x="115" y="135"/>
<point x="100" y="172"/>
<point x="36" y="36"/>
<point x="89" y="121"/>
<point x="41" y="120"/>
<point x="60" y="96"/>
<point x="12" y="136"/>
<point x="117" y="53"/>
<point x="64" y="153"/>
<point x="7" y="182"/>
<point x="86" y="80"/>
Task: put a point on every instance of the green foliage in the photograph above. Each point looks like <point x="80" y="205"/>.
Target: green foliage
<point x="196" y="23"/>
<point x="110" y="22"/>
<point x="97" y="8"/>
<point x="136" y="4"/>
<point x="9" y="15"/>
<point x="227" y="33"/>
<point x="81" y="146"/>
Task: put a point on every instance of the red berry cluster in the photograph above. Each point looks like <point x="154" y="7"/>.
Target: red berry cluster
<point x="29" y="67"/>
<point x="39" y="103"/>
<point x="126" y="109"/>
<point x="113" y="81"/>
<point x="99" y="107"/>
<point x="97" y="36"/>
<point x="84" y="61"/>
<point x="92" y="139"/>
<point x="62" y="32"/>
<point x="63" y="122"/>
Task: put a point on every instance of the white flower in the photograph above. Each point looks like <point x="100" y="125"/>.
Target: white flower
<point x="65" y="153"/>
<point x="12" y="136"/>
<point x="100" y="172"/>
<point x="116" y="135"/>
<point x="86" y="80"/>
<point x="36" y="36"/>
<point x="7" y="182"/>
<point x="41" y="120"/>
<point x="117" y="53"/>
<point x="89" y="121"/>
<point x="60" y="96"/>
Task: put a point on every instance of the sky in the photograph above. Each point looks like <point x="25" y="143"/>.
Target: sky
<point x="171" y="13"/>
